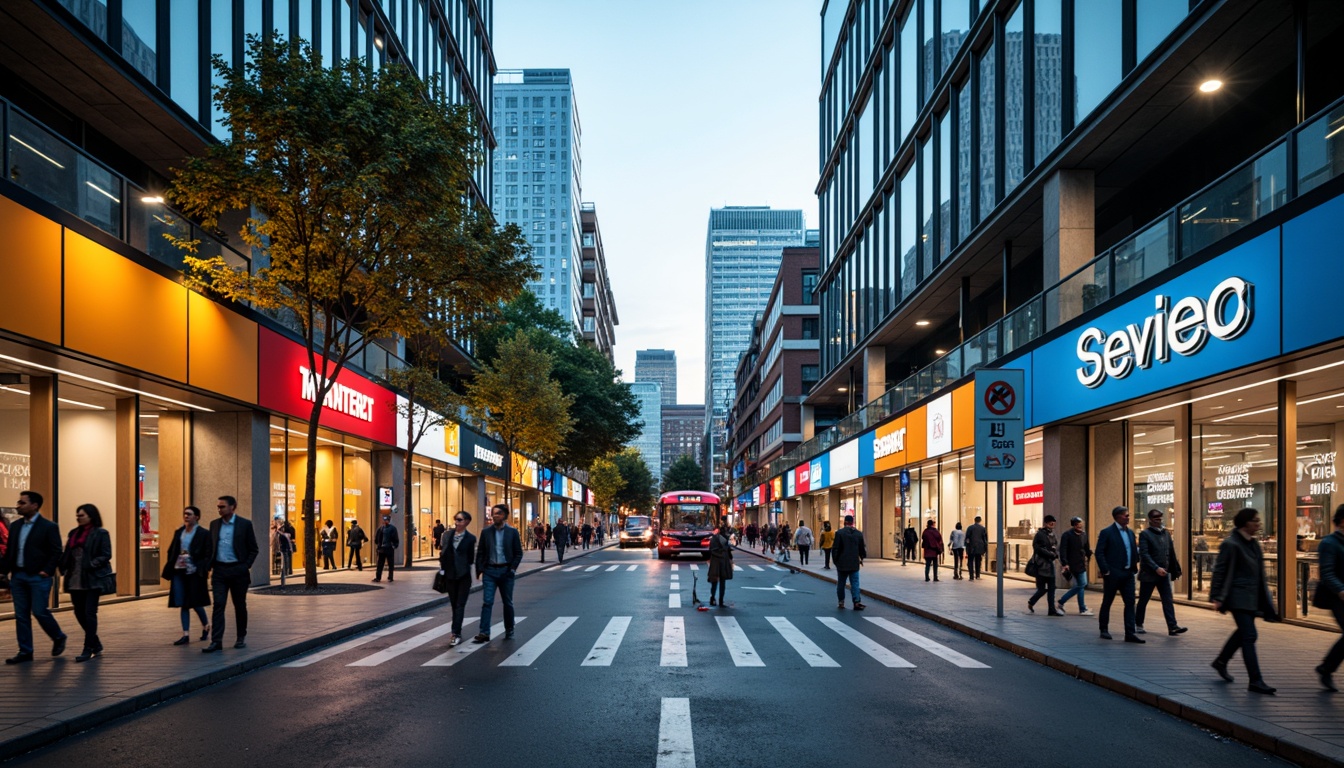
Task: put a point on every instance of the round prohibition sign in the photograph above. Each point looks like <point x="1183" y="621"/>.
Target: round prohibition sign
<point x="1000" y="398"/>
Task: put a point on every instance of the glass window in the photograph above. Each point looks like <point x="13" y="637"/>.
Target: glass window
<point x="1154" y="21"/>
<point x="1014" y="101"/>
<point x="909" y="75"/>
<point x="927" y="233"/>
<point x="929" y="57"/>
<point x="964" y="164"/>
<point x="185" y="53"/>
<point x="863" y="151"/>
<point x="1238" y="467"/>
<point x="890" y="256"/>
<point x="1096" y="53"/>
<point x="987" y="167"/>
<point x="139" y="32"/>
<point x="280" y="18"/>
<point x="944" y="185"/>
<point x="1318" y="444"/>
<point x="956" y="23"/>
<point x="909" y="227"/>
<point x="1048" y="53"/>
<point x="221" y="44"/>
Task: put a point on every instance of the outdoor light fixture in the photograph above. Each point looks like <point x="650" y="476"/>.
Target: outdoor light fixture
<point x="844" y="389"/>
<point x="1211" y="85"/>
<point x="921" y="323"/>
<point x="940" y="351"/>
<point x="378" y="42"/>
<point x="151" y="199"/>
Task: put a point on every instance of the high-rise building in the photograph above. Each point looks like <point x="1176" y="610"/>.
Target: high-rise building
<point x="537" y="180"/>
<point x="599" y="305"/>
<point x="658" y="365"/>
<point x="742" y="251"/>
<point x="650" y="440"/>
<point x="683" y="432"/>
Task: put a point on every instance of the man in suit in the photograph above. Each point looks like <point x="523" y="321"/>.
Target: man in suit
<point x="497" y="559"/>
<point x="231" y="572"/>
<point x="30" y="561"/>
<point x="385" y="543"/>
<point x="1118" y="560"/>
<point x="977" y="546"/>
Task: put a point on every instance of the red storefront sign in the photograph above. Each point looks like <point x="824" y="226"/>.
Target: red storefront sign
<point x="1029" y="494"/>
<point x="355" y="405"/>
<point x="802" y="479"/>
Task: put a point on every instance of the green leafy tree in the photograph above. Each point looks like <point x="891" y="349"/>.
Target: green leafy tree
<point x="515" y="398"/>
<point x="684" y="475"/>
<point x="349" y="184"/>
<point x="605" y="481"/>
<point x="638" y="491"/>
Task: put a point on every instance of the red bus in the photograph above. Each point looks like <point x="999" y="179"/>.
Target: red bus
<point x="685" y="521"/>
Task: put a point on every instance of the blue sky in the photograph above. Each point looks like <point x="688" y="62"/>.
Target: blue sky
<point x="685" y="105"/>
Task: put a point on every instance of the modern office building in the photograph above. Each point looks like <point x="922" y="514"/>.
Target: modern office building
<point x="599" y="304"/>
<point x="742" y="250"/>
<point x="650" y="440"/>
<point x="683" y="433"/>
<point x="1138" y="204"/>
<point x="658" y="365"/>
<point x="538" y="172"/>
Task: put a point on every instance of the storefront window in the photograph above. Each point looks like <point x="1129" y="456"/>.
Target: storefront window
<point x="342" y="492"/>
<point x="163" y="487"/>
<point x="1238" y="468"/>
<point x="1319" y="435"/>
<point x="14" y="453"/>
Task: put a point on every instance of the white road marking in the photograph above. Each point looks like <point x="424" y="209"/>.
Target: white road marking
<point x="777" y="568"/>
<point x="937" y="649"/>
<point x="737" y="567"/>
<point x="633" y="568"/>
<point x="694" y="567"/>
<point x="404" y="646"/>
<point x="591" y="568"/>
<point x="676" y="567"/>
<point x="538" y="645"/>
<point x="674" y="641"/>
<point x="573" y="568"/>
<point x="612" y="568"/>
<point x="604" y="650"/>
<point x="334" y="650"/>
<point x="865" y="644"/>
<point x="460" y="652"/>
<point x="674" y="600"/>
<point x="676" y="746"/>
<point x="739" y="647"/>
<point x="756" y="568"/>
<point x="810" y="651"/>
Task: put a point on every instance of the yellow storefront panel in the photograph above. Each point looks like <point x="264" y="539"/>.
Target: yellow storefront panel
<point x="120" y="311"/>
<point x="223" y="355"/>
<point x="889" y="445"/>
<point x="963" y="416"/>
<point x="30" y="257"/>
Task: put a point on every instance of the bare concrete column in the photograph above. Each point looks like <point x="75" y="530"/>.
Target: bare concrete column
<point x="231" y="456"/>
<point x="870" y="521"/>
<point x="875" y="373"/>
<point x="1069" y="236"/>
<point x="1108" y="458"/>
<point x="1064" y="465"/>
<point x="809" y="422"/>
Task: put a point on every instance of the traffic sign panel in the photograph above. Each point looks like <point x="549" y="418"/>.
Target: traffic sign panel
<point x="999" y="428"/>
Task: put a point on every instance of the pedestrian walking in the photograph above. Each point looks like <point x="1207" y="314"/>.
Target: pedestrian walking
<point x="235" y="545"/>
<point x="1239" y="586"/>
<point x="977" y="546"/>
<point x="436" y="534"/>
<point x="189" y="557"/>
<point x="457" y="553"/>
<point x="849" y="552"/>
<point x="932" y="541"/>
<point x="785" y="540"/>
<point x="331" y="537"/>
<point x="771" y="537"/>
<point x="498" y="556"/>
<point x="720" y="564"/>
<point x="87" y="566"/>
<point x="290" y="543"/>
<point x="1073" y="555"/>
<point x="385" y="543"/>
<point x="1330" y="595"/>
<point x="1044" y="554"/>
<point x="802" y="538"/>
<point x="1118" y="561"/>
<point x="911" y="541"/>
<point x="560" y="535"/>
<point x="281" y="547"/>
<point x="751" y="535"/>
<point x="601" y="532"/>
<point x="31" y="560"/>
<point x="1158" y="567"/>
<point x="827" y="542"/>
<point x="354" y="541"/>
<point x="956" y="541"/>
<point x="586" y="534"/>
<point x="539" y="538"/>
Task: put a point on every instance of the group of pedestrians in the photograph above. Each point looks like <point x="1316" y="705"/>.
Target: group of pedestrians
<point x="562" y="536"/>
<point x="781" y="540"/>
<point x="495" y="557"/>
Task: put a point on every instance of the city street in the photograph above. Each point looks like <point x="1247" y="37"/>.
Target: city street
<point x="613" y="666"/>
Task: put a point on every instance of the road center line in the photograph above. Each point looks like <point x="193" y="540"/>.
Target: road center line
<point x="676" y="567"/>
<point x="674" y="600"/>
<point x="604" y="650"/>
<point x="674" y="641"/>
<point x="676" y="746"/>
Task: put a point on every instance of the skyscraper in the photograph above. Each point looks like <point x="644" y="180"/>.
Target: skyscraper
<point x="650" y="440"/>
<point x="742" y="254"/>
<point x="537" y="179"/>
<point x="658" y="365"/>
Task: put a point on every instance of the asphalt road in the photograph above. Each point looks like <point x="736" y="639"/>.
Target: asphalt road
<point x="603" y="671"/>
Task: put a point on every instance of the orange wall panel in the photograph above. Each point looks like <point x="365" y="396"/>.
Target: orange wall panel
<point x="120" y="311"/>
<point x="963" y="416"/>
<point x="30" y="259"/>
<point x="223" y="353"/>
<point x="917" y="435"/>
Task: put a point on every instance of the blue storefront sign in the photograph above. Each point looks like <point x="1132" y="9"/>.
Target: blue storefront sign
<point x="820" y="474"/>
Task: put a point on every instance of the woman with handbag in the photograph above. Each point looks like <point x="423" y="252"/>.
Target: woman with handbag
<point x="1239" y="586"/>
<point x="457" y="553"/>
<point x="189" y="558"/>
<point x="1045" y="551"/>
<point x="87" y="565"/>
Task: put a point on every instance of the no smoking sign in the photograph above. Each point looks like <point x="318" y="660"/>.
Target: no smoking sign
<point x="998" y="425"/>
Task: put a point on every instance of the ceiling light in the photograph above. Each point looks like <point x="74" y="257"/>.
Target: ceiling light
<point x="1297" y="374"/>
<point x="844" y="389"/>
<point x="1211" y="85"/>
<point x="940" y="351"/>
<point x="921" y="323"/>
<point x="151" y="199"/>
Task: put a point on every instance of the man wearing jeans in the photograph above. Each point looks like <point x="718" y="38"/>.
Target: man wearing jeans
<point x="1073" y="554"/>
<point x="31" y="560"/>
<point x="498" y="556"/>
<point x="848" y="553"/>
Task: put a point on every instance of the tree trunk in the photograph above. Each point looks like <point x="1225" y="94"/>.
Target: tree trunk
<point x="406" y="484"/>
<point x="310" y="481"/>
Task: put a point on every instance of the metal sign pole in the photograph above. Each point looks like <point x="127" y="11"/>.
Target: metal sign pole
<point x="999" y="555"/>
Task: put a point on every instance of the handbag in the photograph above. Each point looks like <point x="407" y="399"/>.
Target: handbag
<point x="440" y="584"/>
<point x="1033" y="568"/>
<point x="106" y="584"/>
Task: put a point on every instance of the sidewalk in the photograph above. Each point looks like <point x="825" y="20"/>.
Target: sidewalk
<point x="1302" y="723"/>
<point x="48" y="699"/>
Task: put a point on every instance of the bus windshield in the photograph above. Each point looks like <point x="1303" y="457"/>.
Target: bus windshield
<point x="687" y="517"/>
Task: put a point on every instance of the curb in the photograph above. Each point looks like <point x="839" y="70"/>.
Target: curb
<point x="1281" y="742"/>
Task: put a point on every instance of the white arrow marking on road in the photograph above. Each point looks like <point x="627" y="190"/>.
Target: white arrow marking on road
<point x="676" y="746"/>
<point x="756" y="568"/>
<point x="460" y="652"/>
<point x="358" y="641"/>
<point x="865" y="644"/>
<point x="604" y="650"/>
<point x="810" y="651"/>
<point x="612" y="568"/>
<point x="739" y="647"/>
<point x="388" y="654"/>
<point x="777" y="588"/>
<point x="591" y="568"/>
<point x="538" y="645"/>
<point x="937" y="649"/>
<point x="674" y="642"/>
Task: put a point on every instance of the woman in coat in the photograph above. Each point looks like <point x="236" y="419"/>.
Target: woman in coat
<point x="87" y="565"/>
<point x="189" y="559"/>
<point x="720" y="565"/>
<point x="785" y="538"/>
<point x="827" y="541"/>
<point x="457" y="552"/>
<point x="933" y="549"/>
<point x="1045" y="552"/>
<point x="1239" y="586"/>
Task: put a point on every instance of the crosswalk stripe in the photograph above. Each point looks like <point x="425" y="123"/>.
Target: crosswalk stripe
<point x="777" y="568"/>
<point x="937" y="649"/>
<point x="865" y="644"/>
<point x="737" y="567"/>
<point x="756" y="568"/>
<point x="739" y="647"/>
<point x="674" y="600"/>
<point x="591" y="568"/>
<point x="676" y="745"/>
<point x="810" y="651"/>
<point x="612" y="568"/>
<point x="404" y="646"/>
<point x="460" y="652"/>
<point x="633" y="568"/>
<point x="573" y="568"/>
<point x="674" y="641"/>
<point x="335" y="650"/>
<point x="538" y="645"/>
<point x="604" y="650"/>
<point x="694" y="567"/>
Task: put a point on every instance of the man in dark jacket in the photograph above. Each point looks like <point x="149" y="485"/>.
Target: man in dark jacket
<point x="1118" y="561"/>
<point x="497" y="559"/>
<point x="30" y="561"/>
<point x="1330" y="595"/>
<point x="848" y="552"/>
<point x="560" y="535"/>
<point x="354" y="541"/>
<point x="230" y="571"/>
<point x="1073" y="554"/>
<point x="385" y="543"/>
<point x="1158" y="567"/>
<point x="977" y="546"/>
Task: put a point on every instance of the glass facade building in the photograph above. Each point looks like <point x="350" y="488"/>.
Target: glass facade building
<point x="650" y="440"/>
<point x="658" y="365"/>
